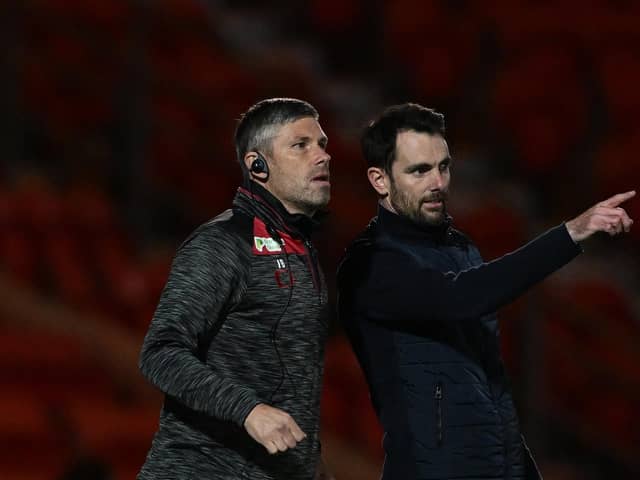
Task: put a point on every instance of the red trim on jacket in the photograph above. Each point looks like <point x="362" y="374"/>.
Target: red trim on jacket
<point x="265" y="244"/>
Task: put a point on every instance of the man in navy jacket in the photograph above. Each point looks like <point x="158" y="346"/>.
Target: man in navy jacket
<point x="418" y="305"/>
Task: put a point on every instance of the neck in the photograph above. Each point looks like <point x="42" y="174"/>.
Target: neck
<point x="270" y="206"/>
<point x="386" y="203"/>
<point x="292" y="208"/>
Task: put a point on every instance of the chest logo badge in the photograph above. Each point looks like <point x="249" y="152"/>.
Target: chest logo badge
<point x="266" y="242"/>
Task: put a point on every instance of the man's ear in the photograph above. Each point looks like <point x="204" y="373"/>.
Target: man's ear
<point x="379" y="180"/>
<point x="248" y="160"/>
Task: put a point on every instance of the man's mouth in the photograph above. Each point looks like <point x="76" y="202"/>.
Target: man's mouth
<point x="322" y="178"/>
<point x="437" y="202"/>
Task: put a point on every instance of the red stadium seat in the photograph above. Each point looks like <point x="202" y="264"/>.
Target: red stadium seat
<point x="591" y="332"/>
<point x="187" y="14"/>
<point x="73" y="63"/>
<point x="346" y="390"/>
<point x="117" y="433"/>
<point x="437" y="47"/>
<point x="53" y="367"/>
<point x="616" y="167"/>
<point x="409" y="20"/>
<point x="89" y="212"/>
<point x="28" y="430"/>
<point x="69" y="272"/>
<point x="18" y="256"/>
<point x="494" y="226"/>
<point x="540" y="101"/>
<point x="333" y="16"/>
<point x="619" y="71"/>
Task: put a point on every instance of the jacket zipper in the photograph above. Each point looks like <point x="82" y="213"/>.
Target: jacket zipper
<point x="505" y="440"/>
<point x="438" y="398"/>
<point x="506" y="448"/>
<point x="313" y="264"/>
<point x="507" y="461"/>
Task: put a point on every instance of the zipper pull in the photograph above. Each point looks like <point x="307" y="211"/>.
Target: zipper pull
<point x="309" y="246"/>
<point x="438" y="394"/>
<point x="275" y="235"/>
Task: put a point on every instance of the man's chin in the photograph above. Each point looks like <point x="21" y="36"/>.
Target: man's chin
<point x="323" y="202"/>
<point x="433" y="219"/>
<point x="315" y="204"/>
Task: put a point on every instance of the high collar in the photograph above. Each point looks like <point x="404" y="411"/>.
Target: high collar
<point x="256" y="200"/>
<point x="401" y="226"/>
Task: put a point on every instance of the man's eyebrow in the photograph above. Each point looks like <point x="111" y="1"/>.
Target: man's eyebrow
<point x="306" y="138"/>
<point x="425" y="165"/>
<point x="418" y="166"/>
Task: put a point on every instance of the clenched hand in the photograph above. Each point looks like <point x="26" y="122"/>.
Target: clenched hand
<point x="605" y="216"/>
<point x="272" y="428"/>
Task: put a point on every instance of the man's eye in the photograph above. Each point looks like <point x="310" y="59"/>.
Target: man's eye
<point x="444" y="167"/>
<point x="300" y="145"/>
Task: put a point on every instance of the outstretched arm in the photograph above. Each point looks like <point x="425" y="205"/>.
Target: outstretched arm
<point x="392" y="289"/>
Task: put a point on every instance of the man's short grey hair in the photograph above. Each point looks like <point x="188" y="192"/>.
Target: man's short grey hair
<point x="260" y="124"/>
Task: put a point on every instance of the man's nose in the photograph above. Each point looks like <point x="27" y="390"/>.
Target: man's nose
<point x="438" y="182"/>
<point x="323" y="156"/>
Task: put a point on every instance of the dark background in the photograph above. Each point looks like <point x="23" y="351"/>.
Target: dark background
<point x="116" y="141"/>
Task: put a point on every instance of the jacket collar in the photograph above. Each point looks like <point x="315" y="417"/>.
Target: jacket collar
<point x="396" y="225"/>
<point x="255" y="200"/>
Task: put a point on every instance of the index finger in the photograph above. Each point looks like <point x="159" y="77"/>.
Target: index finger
<point x="618" y="199"/>
<point x="297" y="433"/>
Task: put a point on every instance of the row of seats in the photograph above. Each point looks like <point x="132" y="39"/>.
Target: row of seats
<point x="539" y="100"/>
<point x="71" y="244"/>
<point x="80" y="60"/>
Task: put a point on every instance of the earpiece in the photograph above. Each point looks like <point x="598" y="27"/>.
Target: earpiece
<point x="259" y="165"/>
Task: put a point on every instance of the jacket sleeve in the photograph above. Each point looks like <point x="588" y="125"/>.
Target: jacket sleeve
<point x="391" y="288"/>
<point x="207" y="273"/>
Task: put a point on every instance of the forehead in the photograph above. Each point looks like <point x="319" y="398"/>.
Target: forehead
<point x="419" y="147"/>
<point x="303" y="127"/>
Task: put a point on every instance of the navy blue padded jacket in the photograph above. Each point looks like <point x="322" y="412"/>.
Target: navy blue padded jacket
<point x="418" y="305"/>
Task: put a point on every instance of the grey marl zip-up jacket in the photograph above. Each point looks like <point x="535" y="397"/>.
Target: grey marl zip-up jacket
<point x="242" y="320"/>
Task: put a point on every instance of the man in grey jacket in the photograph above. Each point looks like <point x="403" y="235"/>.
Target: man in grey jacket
<point x="237" y="340"/>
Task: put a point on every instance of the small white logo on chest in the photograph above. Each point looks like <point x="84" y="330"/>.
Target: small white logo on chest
<point x="280" y="263"/>
<point x="267" y="242"/>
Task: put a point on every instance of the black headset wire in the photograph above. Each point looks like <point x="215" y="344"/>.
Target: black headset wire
<point x="272" y="334"/>
<point x="273" y="232"/>
<point x="274" y="329"/>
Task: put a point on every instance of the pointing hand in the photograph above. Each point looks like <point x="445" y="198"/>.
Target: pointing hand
<point x="605" y="216"/>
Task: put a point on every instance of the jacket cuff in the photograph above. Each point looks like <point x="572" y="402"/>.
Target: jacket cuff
<point x="576" y="246"/>
<point x="244" y="405"/>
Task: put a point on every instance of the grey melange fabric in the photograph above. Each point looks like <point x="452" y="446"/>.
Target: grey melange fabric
<point x="230" y="331"/>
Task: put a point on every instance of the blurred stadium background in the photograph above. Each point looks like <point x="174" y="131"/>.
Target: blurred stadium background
<point x="116" y="141"/>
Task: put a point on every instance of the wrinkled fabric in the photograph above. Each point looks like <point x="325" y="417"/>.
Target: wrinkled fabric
<point x="418" y="305"/>
<point x="231" y="331"/>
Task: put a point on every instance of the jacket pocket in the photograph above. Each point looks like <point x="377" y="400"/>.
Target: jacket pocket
<point x="438" y="396"/>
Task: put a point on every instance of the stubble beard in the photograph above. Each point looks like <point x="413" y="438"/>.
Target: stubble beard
<point x="308" y="199"/>
<point x="412" y="209"/>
